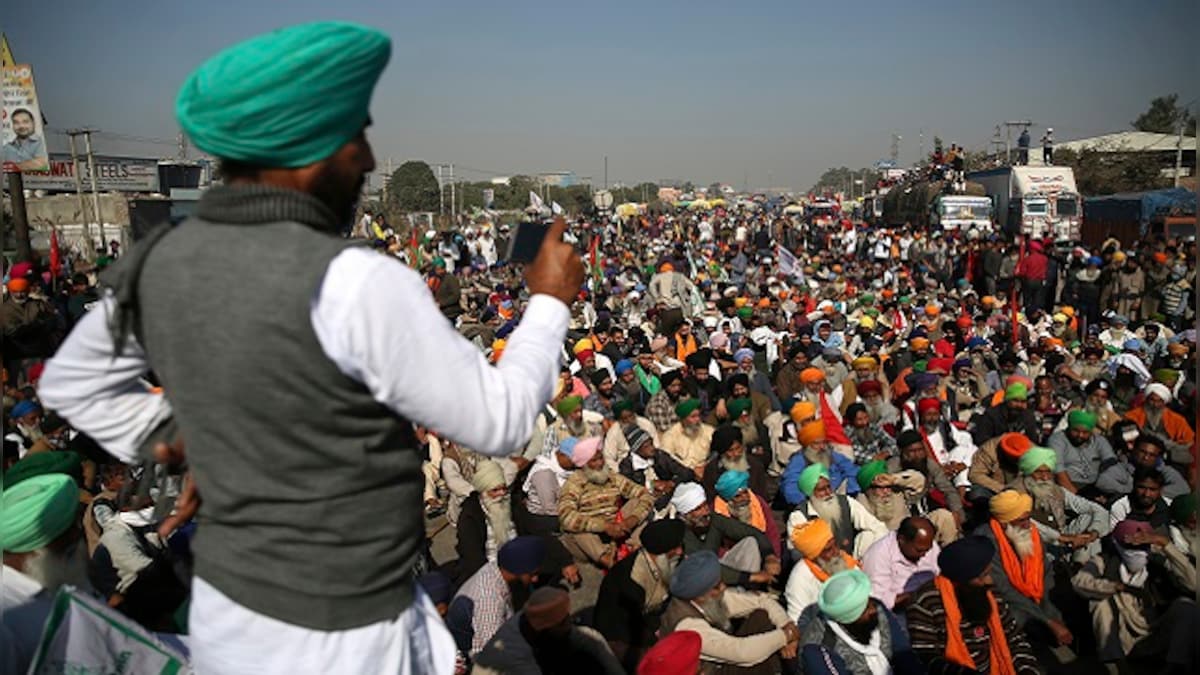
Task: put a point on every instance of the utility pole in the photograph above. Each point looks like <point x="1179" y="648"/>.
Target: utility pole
<point x="16" y="190"/>
<point x="83" y="214"/>
<point x="87" y="142"/>
<point x="1179" y="148"/>
<point x="453" y="204"/>
<point x="1008" y="127"/>
<point x="387" y="182"/>
<point x="441" y="192"/>
<point x="921" y="145"/>
<point x="183" y="146"/>
<point x="606" y="172"/>
<point x="896" y="150"/>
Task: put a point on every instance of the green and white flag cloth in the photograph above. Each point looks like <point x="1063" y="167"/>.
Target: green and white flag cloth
<point x="83" y="636"/>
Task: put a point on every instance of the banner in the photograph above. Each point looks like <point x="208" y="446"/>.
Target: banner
<point x="787" y="260"/>
<point x="113" y="174"/>
<point x="22" y="132"/>
<point x="84" y="636"/>
<point x="489" y="197"/>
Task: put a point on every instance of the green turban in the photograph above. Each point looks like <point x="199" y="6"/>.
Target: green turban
<point x="439" y="262"/>
<point x="37" y="511"/>
<point x="41" y="463"/>
<point x="870" y="471"/>
<point x="686" y="407"/>
<point x="1182" y="508"/>
<point x="287" y="98"/>
<point x="810" y="476"/>
<point x="1166" y="376"/>
<point x="866" y="299"/>
<point x="1035" y="458"/>
<point x="904" y="299"/>
<point x="1081" y="418"/>
<point x="745" y="312"/>
<point x="844" y="596"/>
<point x="1017" y="391"/>
<point x="569" y="404"/>
<point x="871" y="312"/>
<point x="738" y="407"/>
<point x="920" y="366"/>
<point x="621" y="406"/>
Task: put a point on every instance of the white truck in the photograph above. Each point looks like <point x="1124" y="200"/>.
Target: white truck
<point x="1038" y="201"/>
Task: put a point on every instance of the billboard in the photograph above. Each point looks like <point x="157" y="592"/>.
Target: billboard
<point x="22" y="133"/>
<point x="113" y="174"/>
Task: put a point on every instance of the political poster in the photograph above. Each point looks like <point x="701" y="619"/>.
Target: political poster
<point x="22" y="133"/>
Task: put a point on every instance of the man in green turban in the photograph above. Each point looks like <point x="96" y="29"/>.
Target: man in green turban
<point x="689" y="439"/>
<point x="573" y="422"/>
<point x="1062" y="516"/>
<point x="846" y="621"/>
<point x="43" y="547"/>
<point x="305" y="486"/>
<point x="1080" y="454"/>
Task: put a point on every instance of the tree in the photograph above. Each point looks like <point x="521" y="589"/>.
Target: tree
<point x="413" y="187"/>
<point x="1163" y="117"/>
<point x="714" y="191"/>
<point x="1103" y="173"/>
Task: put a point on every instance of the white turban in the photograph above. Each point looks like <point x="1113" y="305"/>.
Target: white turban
<point x="1160" y="390"/>
<point x="687" y="498"/>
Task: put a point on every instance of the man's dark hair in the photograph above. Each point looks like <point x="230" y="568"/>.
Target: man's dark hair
<point x="911" y="526"/>
<point x="23" y="111"/>
<point x="229" y="169"/>
<point x="79" y="279"/>
<point x="1143" y="473"/>
<point x="1151" y="439"/>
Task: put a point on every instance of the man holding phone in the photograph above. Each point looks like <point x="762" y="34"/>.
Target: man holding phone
<point x="297" y="392"/>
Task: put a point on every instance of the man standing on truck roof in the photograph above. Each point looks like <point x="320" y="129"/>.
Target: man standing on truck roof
<point x="1023" y="147"/>
<point x="1048" y="147"/>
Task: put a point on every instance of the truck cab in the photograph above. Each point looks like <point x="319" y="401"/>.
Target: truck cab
<point x="962" y="213"/>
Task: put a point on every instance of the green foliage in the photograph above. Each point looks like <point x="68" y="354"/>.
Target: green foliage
<point x="1103" y="173"/>
<point x="413" y="187"/>
<point x="841" y="178"/>
<point x="1164" y="115"/>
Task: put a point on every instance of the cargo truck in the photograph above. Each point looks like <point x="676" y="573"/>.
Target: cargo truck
<point x="1037" y="201"/>
<point x="929" y="204"/>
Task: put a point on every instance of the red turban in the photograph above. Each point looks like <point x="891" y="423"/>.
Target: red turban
<point x="870" y="387"/>
<point x="928" y="404"/>
<point x="942" y="365"/>
<point x="1014" y="444"/>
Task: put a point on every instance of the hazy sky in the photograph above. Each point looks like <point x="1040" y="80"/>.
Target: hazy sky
<point x="772" y="92"/>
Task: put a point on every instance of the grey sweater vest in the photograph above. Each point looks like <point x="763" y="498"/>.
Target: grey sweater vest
<point x="311" y="489"/>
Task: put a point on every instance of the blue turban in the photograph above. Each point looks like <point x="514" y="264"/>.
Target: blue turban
<point x="437" y="586"/>
<point x="976" y="342"/>
<point x="567" y="445"/>
<point x="696" y="575"/>
<point x="623" y="366"/>
<point x="732" y="482"/>
<point x="522" y="555"/>
<point x="286" y="99"/>
<point x="743" y="353"/>
<point x="23" y="408"/>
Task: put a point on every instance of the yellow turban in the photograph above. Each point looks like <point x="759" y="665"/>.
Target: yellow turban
<point x="863" y="362"/>
<point x="812" y="537"/>
<point x="584" y="344"/>
<point x="1010" y="505"/>
<point x="812" y="375"/>
<point x="812" y="433"/>
<point x="740" y="302"/>
<point x="803" y="411"/>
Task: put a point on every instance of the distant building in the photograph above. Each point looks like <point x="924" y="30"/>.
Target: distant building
<point x="1141" y="143"/>
<point x="501" y="180"/>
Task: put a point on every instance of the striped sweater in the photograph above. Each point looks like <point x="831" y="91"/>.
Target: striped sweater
<point x="586" y="507"/>
<point x="927" y="630"/>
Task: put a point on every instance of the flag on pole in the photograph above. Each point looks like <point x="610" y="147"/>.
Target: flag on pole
<point x="55" y="255"/>
<point x="594" y="261"/>
<point x="787" y="260"/>
<point x="536" y="202"/>
<point x="556" y="209"/>
<point x="415" y="245"/>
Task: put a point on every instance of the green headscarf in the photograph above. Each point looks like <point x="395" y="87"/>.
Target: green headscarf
<point x="1017" y="391"/>
<point x="37" y="511"/>
<point x="810" y="476"/>
<point x="569" y="404"/>
<point x="686" y="407"/>
<point x="870" y="471"/>
<point x="1035" y="458"/>
<point x="844" y="596"/>
<point x="738" y="407"/>
<point x="1081" y="418"/>
<point x="287" y="98"/>
<point x="41" y="463"/>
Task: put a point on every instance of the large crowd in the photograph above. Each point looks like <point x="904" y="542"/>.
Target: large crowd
<point x="786" y="448"/>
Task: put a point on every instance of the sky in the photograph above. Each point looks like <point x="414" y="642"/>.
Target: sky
<point x="755" y="94"/>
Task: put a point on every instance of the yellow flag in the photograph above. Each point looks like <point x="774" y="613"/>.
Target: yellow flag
<point x="6" y="57"/>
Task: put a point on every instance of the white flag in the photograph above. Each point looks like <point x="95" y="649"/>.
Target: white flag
<point x="787" y="260"/>
<point x="83" y="635"/>
<point x="536" y="201"/>
<point x="558" y="210"/>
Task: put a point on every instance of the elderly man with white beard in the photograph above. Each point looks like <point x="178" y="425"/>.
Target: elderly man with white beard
<point x="545" y="479"/>
<point x="597" y="508"/>
<point x="881" y="496"/>
<point x="1154" y="417"/>
<point x="740" y="632"/>
<point x="820" y="558"/>
<point x="44" y="549"/>
<point x="1067" y="522"/>
<point x="852" y="524"/>
<point x="485" y="521"/>
<point x="882" y="412"/>
<point x="1022" y="571"/>
<point x="688" y="440"/>
<point x="573" y="422"/>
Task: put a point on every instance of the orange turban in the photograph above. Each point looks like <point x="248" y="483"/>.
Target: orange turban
<point x="764" y="303"/>
<point x="583" y="345"/>
<point x="18" y="285"/>
<point x="1010" y="505"/>
<point x="802" y="412"/>
<point x="811" y="433"/>
<point x="666" y="267"/>
<point x="811" y="375"/>
<point x="812" y="537"/>
<point x="932" y="310"/>
<point x="887" y="292"/>
<point x="1014" y="444"/>
<point x="919" y="343"/>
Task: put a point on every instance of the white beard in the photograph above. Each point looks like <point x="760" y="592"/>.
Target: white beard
<point x="716" y="612"/>
<point x="1153" y="418"/>
<point x="833" y="566"/>
<point x="53" y="570"/>
<point x="596" y="476"/>
<point x="1042" y="491"/>
<point x="828" y="510"/>
<point x="886" y="507"/>
<point x="1021" y="540"/>
<point x="740" y="511"/>
<point x="499" y="517"/>
<point x="739" y="464"/>
<point x="577" y="429"/>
